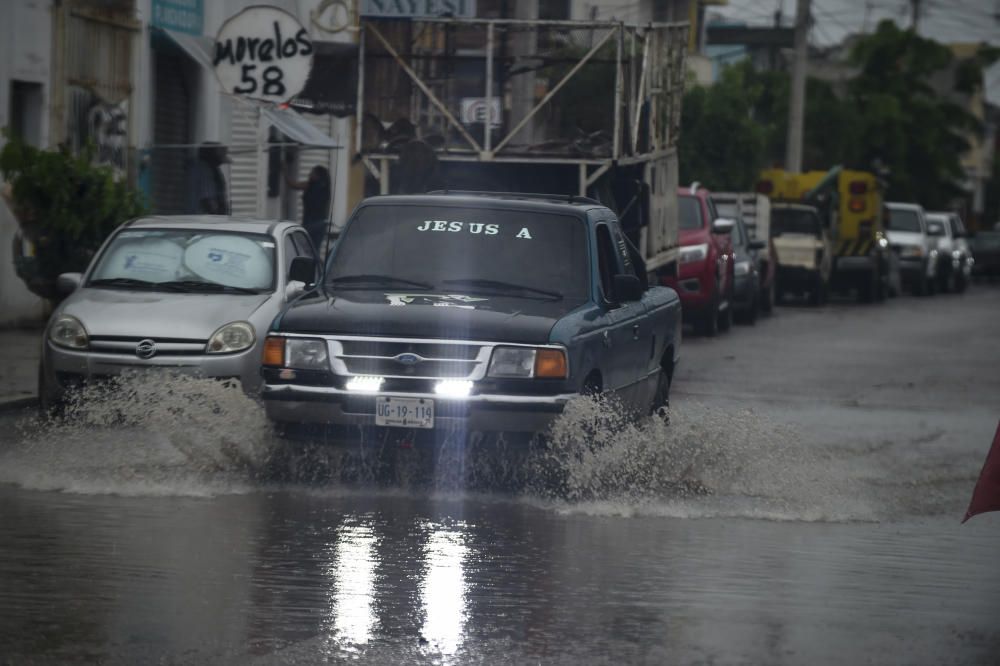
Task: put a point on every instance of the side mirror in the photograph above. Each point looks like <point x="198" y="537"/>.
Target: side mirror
<point x="303" y="269"/>
<point x="294" y="288"/>
<point x="757" y="245"/>
<point x="935" y="229"/>
<point x="723" y="226"/>
<point x="627" y="288"/>
<point x="67" y="283"/>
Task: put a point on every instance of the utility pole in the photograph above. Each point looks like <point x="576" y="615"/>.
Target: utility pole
<point x="796" y="106"/>
<point x="914" y="14"/>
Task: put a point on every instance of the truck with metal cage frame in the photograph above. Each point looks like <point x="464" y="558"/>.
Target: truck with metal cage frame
<point x="584" y="108"/>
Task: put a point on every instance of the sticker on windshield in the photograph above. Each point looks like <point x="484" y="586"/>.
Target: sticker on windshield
<point x="437" y="300"/>
<point x="457" y="227"/>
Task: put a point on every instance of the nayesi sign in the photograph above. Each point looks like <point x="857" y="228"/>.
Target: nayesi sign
<point x="418" y="8"/>
<point x="263" y="53"/>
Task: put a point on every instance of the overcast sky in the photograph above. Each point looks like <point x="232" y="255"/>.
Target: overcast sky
<point x="943" y="20"/>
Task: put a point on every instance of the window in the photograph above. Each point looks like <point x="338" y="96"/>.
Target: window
<point x="689" y="210"/>
<point x="902" y="219"/>
<point x="606" y="264"/>
<point x="26" y="111"/>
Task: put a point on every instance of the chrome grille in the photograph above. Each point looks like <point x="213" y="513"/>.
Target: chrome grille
<point x="114" y="344"/>
<point x="418" y="359"/>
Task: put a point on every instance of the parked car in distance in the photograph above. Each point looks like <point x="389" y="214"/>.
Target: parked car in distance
<point x="906" y="228"/>
<point x="804" y="252"/>
<point x="704" y="279"/>
<point x="471" y="311"/>
<point x="985" y="248"/>
<point x="749" y="270"/>
<point x="189" y="294"/>
<point x="954" y="258"/>
<point x="754" y="209"/>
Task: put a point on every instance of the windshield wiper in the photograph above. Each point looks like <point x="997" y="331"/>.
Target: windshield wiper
<point x="380" y="280"/>
<point x="200" y="285"/>
<point x="121" y="282"/>
<point x="501" y="286"/>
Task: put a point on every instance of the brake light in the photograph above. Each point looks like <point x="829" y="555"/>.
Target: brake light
<point x="857" y="187"/>
<point x="550" y="363"/>
<point x="765" y="187"/>
<point x="857" y="204"/>
<point x="274" y="352"/>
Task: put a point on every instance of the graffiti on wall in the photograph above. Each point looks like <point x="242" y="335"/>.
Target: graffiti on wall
<point x="102" y="125"/>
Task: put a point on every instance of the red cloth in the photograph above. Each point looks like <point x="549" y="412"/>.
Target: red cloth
<point x="986" y="494"/>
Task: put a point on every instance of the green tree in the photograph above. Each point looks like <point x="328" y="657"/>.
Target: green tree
<point x="65" y="205"/>
<point x="721" y="145"/>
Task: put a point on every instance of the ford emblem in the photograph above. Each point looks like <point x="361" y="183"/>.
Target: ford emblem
<point x="145" y="349"/>
<point x="408" y="359"/>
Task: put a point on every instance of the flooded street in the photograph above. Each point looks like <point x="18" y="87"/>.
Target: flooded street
<point x="801" y="507"/>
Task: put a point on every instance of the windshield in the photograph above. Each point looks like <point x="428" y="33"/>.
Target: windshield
<point x="186" y="260"/>
<point x="689" y="209"/>
<point x="904" y="220"/>
<point x="463" y="250"/>
<point x="794" y="221"/>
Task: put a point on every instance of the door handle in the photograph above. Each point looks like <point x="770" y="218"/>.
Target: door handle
<point x="635" y="331"/>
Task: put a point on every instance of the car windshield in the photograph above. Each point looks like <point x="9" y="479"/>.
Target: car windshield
<point x="902" y="219"/>
<point x="794" y="221"/>
<point x="463" y="250"/>
<point x="689" y="210"/>
<point x="186" y="260"/>
<point x="737" y="234"/>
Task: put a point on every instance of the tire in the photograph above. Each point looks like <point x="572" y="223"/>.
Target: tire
<point x="922" y="286"/>
<point x="726" y="317"/>
<point x="661" y="398"/>
<point x="817" y="293"/>
<point x="750" y="316"/>
<point x="708" y="322"/>
<point x="870" y="290"/>
<point x="961" y="283"/>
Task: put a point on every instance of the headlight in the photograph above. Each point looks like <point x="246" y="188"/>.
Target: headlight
<point x="306" y="354"/>
<point x="741" y="268"/>
<point x="508" y="362"/>
<point x="912" y="251"/>
<point x="694" y="253"/>
<point x="67" y="331"/>
<point x="232" y="337"/>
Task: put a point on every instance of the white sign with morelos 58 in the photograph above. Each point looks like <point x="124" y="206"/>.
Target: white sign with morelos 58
<point x="263" y="53"/>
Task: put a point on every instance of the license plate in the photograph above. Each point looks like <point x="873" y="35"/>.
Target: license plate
<point x="404" y="412"/>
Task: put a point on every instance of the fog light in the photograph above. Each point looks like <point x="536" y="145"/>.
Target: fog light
<point x="364" y="384"/>
<point x="454" y="388"/>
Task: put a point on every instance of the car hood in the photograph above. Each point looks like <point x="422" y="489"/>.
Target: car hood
<point x="693" y="237"/>
<point x="905" y="238"/>
<point x="427" y="315"/>
<point x="153" y="314"/>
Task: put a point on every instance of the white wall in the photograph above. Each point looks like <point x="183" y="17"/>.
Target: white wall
<point x="25" y="55"/>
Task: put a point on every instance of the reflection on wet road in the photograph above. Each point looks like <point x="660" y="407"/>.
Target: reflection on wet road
<point x="760" y="530"/>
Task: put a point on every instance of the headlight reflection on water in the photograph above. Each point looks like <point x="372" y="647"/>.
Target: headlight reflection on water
<point x="443" y="591"/>
<point x="353" y="577"/>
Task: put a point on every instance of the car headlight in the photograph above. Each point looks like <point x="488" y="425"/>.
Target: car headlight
<point x="233" y="337"/>
<point x="306" y="354"/>
<point x="741" y="268"/>
<point x="694" y="253"/>
<point x="526" y="362"/>
<point x="912" y="251"/>
<point x="67" y="331"/>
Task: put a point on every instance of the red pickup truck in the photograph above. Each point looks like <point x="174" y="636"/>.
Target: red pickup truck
<point x="705" y="277"/>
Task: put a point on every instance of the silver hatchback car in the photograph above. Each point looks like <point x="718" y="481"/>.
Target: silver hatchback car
<point x="192" y="294"/>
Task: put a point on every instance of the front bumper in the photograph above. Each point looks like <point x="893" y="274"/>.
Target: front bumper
<point x="66" y="369"/>
<point x="327" y="405"/>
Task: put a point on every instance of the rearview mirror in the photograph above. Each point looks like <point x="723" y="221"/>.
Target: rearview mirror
<point x="627" y="288"/>
<point x="935" y="229"/>
<point x="723" y="226"/>
<point x="303" y="269"/>
<point x="67" y="283"/>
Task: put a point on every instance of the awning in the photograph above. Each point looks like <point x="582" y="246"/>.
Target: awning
<point x="201" y="49"/>
<point x="296" y="128"/>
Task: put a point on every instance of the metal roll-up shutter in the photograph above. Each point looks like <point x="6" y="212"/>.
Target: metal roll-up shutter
<point x="243" y="151"/>
<point x="172" y="127"/>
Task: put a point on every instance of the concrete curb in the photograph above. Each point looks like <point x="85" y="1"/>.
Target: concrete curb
<point x="17" y="404"/>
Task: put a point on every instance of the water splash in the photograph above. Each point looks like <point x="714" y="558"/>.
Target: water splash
<point x="133" y="434"/>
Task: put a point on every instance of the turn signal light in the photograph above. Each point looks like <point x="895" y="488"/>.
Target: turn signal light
<point x="274" y="352"/>
<point x="857" y="205"/>
<point x="550" y="363"/>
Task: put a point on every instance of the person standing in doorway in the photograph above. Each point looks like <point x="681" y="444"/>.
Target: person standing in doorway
<point x="315" y="202"/>
<point x="209" y="183"/>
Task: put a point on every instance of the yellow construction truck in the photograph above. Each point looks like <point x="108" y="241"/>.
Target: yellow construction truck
<point x="828" y="233"/>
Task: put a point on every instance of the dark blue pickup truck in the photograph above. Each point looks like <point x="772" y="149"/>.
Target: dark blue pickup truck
<point x="483" y="311"/>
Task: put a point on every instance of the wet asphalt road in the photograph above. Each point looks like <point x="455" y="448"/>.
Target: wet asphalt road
<point x="801" y="508"/>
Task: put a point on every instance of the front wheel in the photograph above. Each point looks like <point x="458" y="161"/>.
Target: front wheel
<point x="661" y="398"/>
